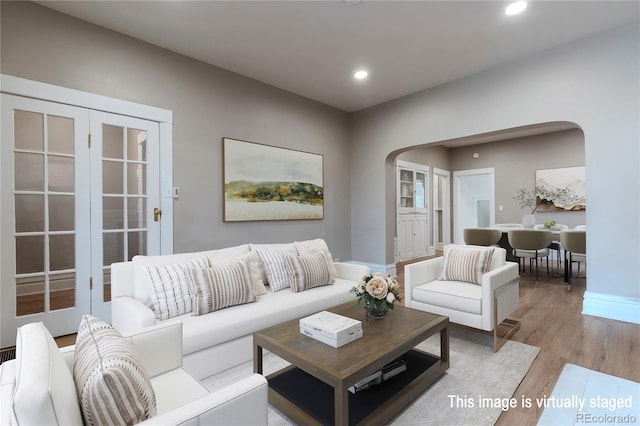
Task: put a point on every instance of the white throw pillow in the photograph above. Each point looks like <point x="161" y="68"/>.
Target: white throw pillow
<point x="171" y="290"/>
<point x="310" y="271"/>
<point x="113" y="386"/>
<point x="466" y="264"/>
<point x="229" y="252"/>
<point x="288" y="247"/>
<point x="44" y="391"/>
<point x="225" y="284"/>
<point x="280" y="273"/>
<point x="312" y="246"/>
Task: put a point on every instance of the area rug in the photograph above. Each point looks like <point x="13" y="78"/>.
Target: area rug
<point x="583" y="396"/>
<point x="476" y="376"/>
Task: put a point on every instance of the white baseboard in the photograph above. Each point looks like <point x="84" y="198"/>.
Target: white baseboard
<point x="609" y="306"/>
<point x="377" y="267"/>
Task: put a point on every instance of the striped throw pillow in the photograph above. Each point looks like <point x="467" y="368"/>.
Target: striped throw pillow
<point x="466" y="264"/>
<point x="310" y="271"/>
<point x="112" y="384"/>
<point x="312" y="246"/>
<point x="254" y="270"/>
<point x="280" y="274"/>
<point x="226" y="283"/>
<point x="171" y="289"/>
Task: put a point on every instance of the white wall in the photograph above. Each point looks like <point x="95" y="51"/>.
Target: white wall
<point x="593" y="83"/>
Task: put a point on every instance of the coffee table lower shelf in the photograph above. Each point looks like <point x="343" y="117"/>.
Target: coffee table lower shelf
<point x="303" y="397"/>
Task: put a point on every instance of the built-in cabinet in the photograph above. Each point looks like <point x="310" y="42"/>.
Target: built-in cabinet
<point x="412" y="187"/>
<point x="413" y="234"/>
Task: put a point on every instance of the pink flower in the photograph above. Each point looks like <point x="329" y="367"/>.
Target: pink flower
<point x="393" y="284"/>
<point x="390" y="297"/>
<point x="378" y="287"/>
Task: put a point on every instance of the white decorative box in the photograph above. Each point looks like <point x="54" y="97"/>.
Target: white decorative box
<point x="333" y="329"/>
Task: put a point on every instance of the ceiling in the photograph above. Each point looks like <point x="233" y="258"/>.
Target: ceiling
<point x="312" y="48"/>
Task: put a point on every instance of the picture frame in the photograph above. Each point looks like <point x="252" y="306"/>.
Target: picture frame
<point x="561" y="190"/>
<point x="264" y="182"/>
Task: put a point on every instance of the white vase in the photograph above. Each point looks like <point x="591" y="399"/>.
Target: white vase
<point x="528" y="220"/>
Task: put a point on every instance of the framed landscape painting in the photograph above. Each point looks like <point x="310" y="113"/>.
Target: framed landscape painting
<point x="263" y="182"/>
<point x="562" y="189"/>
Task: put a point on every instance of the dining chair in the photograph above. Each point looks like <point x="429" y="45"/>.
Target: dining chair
<point x="509" y="225"/>
<point x="531" y="244"/>
<point x="580" y="228"/>
<point x="575" y="244"/>
<point x="481" y="236"/>
<point x="555" y="244"/>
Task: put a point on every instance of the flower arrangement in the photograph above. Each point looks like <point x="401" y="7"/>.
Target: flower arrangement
<point x="379" y="292"/>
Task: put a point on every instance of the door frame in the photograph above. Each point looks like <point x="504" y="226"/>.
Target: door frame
<point x="446" y="207"/>
<point x="48" y="92"/>
<point x="490" y="171"/>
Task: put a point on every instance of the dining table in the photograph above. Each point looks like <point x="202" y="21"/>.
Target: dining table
<point x="504" y="243"/>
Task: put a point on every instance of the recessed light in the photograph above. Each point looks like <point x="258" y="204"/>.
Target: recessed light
<point x="360" y="75"/>
<point x="515" y="8"/>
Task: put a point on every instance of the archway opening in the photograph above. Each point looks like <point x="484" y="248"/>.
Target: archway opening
<point x="514" y="154"/>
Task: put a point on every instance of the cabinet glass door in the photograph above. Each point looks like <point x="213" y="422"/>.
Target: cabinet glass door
<point x="406" y="188"/>
<point x="420" y="199"/>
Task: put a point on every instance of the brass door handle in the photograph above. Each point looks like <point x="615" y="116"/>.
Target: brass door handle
<point x="156" y="214"/>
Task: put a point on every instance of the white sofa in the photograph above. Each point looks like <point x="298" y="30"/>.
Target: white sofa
<point x="38" y="386"/>
<point x="218" y="340"/>
<point x="480" y="306"/>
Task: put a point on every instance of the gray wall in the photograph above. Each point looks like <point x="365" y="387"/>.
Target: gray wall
<point x="593" y="83"/>
<point x="432" y="156"/>
<point x="208" y="103"/>
<point x="516" y="161"/>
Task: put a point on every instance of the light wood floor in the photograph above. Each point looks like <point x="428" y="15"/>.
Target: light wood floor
<point x="552" y="320"/>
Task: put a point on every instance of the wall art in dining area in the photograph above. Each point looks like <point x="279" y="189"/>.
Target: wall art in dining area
<point x="263" y="182"/>
<point x="562" y="189"/>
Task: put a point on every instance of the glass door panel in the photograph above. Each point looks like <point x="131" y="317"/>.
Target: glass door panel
<point x="41" y="174"/>
<point x="406" y="188"/>
<point x="29" y="130"/>
<point x="420" y="190"/>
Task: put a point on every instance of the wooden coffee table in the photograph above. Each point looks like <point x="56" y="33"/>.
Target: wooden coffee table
<point x="314" y="389"/>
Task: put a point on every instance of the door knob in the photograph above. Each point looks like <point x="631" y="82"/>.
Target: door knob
<point x="156" y="214"/>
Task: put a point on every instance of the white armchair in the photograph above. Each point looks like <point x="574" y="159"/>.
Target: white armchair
<point x="49" y="395"/>
<point x="481" y="305"/>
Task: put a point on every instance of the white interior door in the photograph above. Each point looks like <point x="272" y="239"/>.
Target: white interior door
<point x="126" y="190"/>
<point x="473" y="191"/>
<point x="45" y="228"/>
<point x="72" y="204"/>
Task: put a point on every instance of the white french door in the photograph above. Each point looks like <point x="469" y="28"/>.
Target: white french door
<point x="125" y="192"/>
<point x="72" y="204"/>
